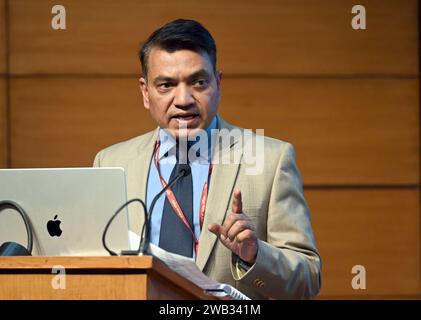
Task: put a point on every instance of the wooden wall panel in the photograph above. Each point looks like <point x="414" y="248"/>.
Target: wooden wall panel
<point x="3" y="124"/>
<point x="378" y="229"/>
<point x="346" y="132"/>
<point x="2" y="38"/>
<point x="354" y="131"/>
<point x="273" y="37"/>
<point x="64" y="122"/>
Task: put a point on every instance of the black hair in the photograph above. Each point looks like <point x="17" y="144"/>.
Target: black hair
<point x="177" y="35"/>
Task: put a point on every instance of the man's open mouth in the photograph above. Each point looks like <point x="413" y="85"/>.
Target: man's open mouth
<point x="185" y="117"/>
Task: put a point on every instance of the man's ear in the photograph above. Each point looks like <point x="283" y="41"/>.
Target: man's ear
<point x="145" y="93"/>
<point x="218" y="78"/>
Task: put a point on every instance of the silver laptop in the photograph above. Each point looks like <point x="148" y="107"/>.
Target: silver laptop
<point x="68" y="209"/>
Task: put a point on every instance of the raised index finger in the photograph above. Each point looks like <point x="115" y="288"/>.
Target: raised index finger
<point x="237" y="203"/>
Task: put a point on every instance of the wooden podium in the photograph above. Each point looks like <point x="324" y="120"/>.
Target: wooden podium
<point x="140" y="278"/>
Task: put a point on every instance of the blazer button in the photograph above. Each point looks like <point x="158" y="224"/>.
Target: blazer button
<point x="259" y="283"/>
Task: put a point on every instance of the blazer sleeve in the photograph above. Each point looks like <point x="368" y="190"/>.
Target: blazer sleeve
<point x="97" y="160"/>
<point x="288" y="264"/>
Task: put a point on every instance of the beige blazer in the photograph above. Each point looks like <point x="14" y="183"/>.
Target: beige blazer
<point x="288" y="263"/>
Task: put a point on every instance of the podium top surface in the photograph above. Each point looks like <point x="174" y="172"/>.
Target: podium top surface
<point x="45" y="262"/>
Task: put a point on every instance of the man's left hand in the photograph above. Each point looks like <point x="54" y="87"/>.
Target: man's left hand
<point x="237" y="232"/>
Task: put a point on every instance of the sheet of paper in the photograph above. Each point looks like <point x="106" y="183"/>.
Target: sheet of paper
<point x="187" y="268"/>
<point x="184" y="266"/>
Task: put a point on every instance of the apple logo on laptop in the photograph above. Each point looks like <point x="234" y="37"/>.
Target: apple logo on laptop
<point x="53" y="227"/>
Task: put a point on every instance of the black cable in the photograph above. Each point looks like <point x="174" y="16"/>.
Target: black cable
<point x="146" y="228"/>
<point x="9" y="204"/>
<point x="143" y="246"/>
<point x="112" y="253"/>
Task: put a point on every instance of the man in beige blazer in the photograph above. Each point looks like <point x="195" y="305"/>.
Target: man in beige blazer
<point x="256" y="233"/>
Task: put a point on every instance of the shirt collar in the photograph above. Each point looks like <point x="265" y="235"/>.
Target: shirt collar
<point x="168" y="141"/>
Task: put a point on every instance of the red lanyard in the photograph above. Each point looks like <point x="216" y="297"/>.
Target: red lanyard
<point x="174" y="203"/>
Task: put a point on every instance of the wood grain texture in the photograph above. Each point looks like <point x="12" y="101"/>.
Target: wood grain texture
<point x="2" y="38"/>
<point x="65" y="122"/>
<point x="354" y="131"/>
<point x="345" y="132"/>
<point x="78" y="287"/>
<point x="46" y="263"/>
<point x="271" y="37"/>
<point x="3" y="124"/>
<point x="118" y="278"/>
<point x="378" y="229"/>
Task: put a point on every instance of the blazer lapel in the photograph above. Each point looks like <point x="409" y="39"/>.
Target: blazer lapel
<point x="220" y="190"/>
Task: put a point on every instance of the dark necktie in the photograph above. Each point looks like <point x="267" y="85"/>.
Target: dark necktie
<point x="174" y="235"/>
